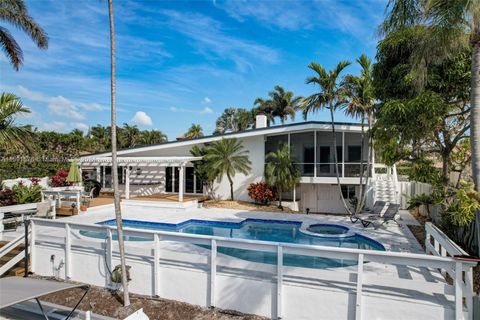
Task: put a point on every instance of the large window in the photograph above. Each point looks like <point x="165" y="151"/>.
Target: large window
<point x="348" y="192"/>
<point x="303" y="148"/>
<point x="272" y="143"/>
<point x="354" y="153"/>
<point x="192" y="183"/>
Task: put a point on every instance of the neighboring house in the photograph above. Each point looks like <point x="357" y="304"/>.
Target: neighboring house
<point x="310" y="141"/>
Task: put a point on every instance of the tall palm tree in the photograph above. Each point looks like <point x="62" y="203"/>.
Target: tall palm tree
<point x="360" y="92"/>
<point x="332" y="96"/>
<point x="449" y="27"/>
<point x="227" y="157"/>
<point x="282" y="104"/>
<point x="233" y="119"/>
<point x="15" y="12"/>
<point x="281" y="171"/>
<point x="13" y="137"/>
<point x="130" y="136"/>
<point x="195" y="131"/>
<point x="116" y="191"/>
<point x="153" y="137"/>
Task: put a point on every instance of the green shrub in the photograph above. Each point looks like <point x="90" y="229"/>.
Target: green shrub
<point x="25" y="194"/>
<point x="462" y="205"/>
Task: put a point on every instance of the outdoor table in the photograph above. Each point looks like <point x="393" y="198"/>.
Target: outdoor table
<point x="58" y="194"/>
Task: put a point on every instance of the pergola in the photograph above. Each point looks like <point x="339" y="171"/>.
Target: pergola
<point x="128" y="162"/>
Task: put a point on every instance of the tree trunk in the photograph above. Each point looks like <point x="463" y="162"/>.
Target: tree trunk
<point x="231" y="186"/>
<point x="336" y="160"/>
<point x="360" y="202"/>
<point x="118" y="213"/>
<point x="475" y="125"/>
<point x="363" y="195"/>
<point x="280" y="198"/>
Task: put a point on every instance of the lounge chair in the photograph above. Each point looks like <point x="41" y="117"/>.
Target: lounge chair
<point x="378" y="207"/>
<point x="45" y="210"/>
<point x="389" y="215"/>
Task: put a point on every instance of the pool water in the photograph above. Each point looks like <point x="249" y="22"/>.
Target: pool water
<point x="257" y="229"/>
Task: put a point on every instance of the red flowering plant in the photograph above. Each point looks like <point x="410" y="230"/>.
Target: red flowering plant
<point x="261" y="192"/>
<point x="60" y="179"/>
<point x="35" y="181"/>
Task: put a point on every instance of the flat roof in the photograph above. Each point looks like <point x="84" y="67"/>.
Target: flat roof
<point x="248" y="132"/>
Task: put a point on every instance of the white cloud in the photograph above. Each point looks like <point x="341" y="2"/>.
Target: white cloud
<point x="61" y="106"/>
<point x="80" y="125"/>
<point x="142" y="119"/>
<point x="174" y="109"/>
<point x="206" y="110"/>
<point x="207" y="100"/>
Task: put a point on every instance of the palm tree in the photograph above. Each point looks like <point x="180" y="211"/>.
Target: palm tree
<point x="449" y="26"/>
<point x="116" y="191"/>
<point x="282" y="104"/>
<point x="361" y="97"/>
<point x="130" y="136"/>
<point x="266" y="107"/>
<point x="13" y="137"/>
<point x="332" y="96"/>
<point x="195" y="131"/>
<point x="281" y="172"/>
<point x="227" y="157"/>
<point x="153" y="137"/>
<point x="234" y="119"/>
<point x="15" y="12"/>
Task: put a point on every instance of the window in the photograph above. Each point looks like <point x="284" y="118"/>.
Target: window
<point x="348" y="192"/>
<point x="354" y="153"/>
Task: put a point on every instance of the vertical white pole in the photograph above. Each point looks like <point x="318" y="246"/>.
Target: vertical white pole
<point x="458" y="291"/>
<point x="127" y="182"/>
<point x="97" y="173"/>
<point x="68" y="249"/>
<point x="180" y="183"/>
<point x="103" y="176"/>
<point x="213" y="271"/>
<point x="358" y="305"/>
<point x="469" y="292"/>
<point x="173" y="180"/>
<point x="109" y="249"/>
<point x="315" y="153"/>
<point x="156" y="259"/>
<point x="32" y="246"/>
<point x="294" y="194"/>
<point x="194" y="182"/>
<point x="279" y="280"/>
<point x="343" y="153"/>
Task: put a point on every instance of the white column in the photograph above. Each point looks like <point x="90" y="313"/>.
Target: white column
<point x="103" y="177"/>
<point x="180" y="183"/>
<point x="343" y="153"/>
<point x="173" y="179"/>
<point x="98" y="177"/>
<point x="315" y="153"/>
<point x="127" y="182"/>
<point x="194" y="182"/>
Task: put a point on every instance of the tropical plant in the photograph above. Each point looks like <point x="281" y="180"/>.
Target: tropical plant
<point x="12" y="136"/>
<point x="195" y="131"/>
<point x="415" y="202"/>
<point x="233" y="120"/>
<point x="282" y="104"/>
<point x="227" y="157"/>
<point x="449" y="26"/>
<point x="261" y="192"/>
<point x="281" y="171"/>
<point x="461" y="205"/>
<point x="360" y="92"/>
<point x="15" y="12"/>
<point x="203" y="170"/>
<point x="130" y="136"/>
<point x="7" y="197"/>
<point x="116" y="191"/>
<point x="27" y="194"/>
<point x="332" y="95"/>
<point x="153" y="137"/>
<point x="59" y="179"/>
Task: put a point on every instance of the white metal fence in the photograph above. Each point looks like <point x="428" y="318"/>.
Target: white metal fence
<point x="77" y="268"/>
<point x="408" y="189"/>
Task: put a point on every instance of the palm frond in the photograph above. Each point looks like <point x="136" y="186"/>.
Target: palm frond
<point x="11" y="48"/>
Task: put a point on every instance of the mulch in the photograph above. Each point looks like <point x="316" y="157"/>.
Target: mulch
<point x="243" y="205"/>
<point x="109" y="303"/>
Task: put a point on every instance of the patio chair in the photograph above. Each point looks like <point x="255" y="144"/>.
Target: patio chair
<point x="389" y="215"/>
<point x="378" y="207"/>
<point x="87" y="197"/>
<point x="44" y="210"/>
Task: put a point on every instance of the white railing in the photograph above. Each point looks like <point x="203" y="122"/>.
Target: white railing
<point x="438" y="244"/>
<point x="454" y="267"/>
<point x="7" y="249"/>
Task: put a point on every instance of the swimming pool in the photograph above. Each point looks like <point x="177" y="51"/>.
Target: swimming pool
<point x="257" y="229"/>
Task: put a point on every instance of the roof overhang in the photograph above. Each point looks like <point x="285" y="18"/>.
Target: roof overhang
<point x="139" y="161"/>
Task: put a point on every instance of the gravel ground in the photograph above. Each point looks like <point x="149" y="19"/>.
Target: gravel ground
<point x="243" y="205"/>
<point x="105" y="302"/>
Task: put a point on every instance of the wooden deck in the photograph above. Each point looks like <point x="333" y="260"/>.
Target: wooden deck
<point x="103" y="200"/>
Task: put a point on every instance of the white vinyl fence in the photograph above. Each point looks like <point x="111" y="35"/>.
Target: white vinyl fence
<point x="189" y="268"/>
<point x="408" y="189"/>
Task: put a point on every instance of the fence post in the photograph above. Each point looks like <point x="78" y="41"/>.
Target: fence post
<point x="213" y="271"/>
<point x="32" y="246"/>
<point x="156" y="259"/>
<point x="26" y="223"/>
<point x="358" y="304"/>
<point x="458" y="291"/>
<point x="68" y="249"/>
<point x="279" y="280"/>
<point x="469" y="292"/>
<point x="109" y="249"/>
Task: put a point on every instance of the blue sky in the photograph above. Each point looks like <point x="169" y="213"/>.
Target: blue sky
<point x="180" y="62"/>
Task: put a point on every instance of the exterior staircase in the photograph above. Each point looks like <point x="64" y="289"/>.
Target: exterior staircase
<point x="385" y="186"/>
<point x="12" y="261"/>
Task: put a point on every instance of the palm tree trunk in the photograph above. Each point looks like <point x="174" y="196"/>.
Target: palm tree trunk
<point x="363" y="195"/>
<point x="360" y="202"/>
<point x="475" y="126"/>
<point x="280" y="198"/>
<point x="118" y="213"/>
<point x="231" y="186"/>
<point x="335" y="158"/>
